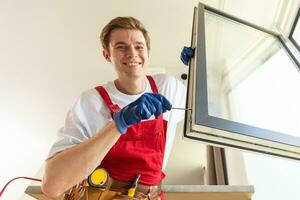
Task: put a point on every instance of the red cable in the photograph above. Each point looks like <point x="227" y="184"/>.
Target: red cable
<point x="33" y="179"/>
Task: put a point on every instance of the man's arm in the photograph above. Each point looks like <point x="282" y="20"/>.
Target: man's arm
<point x="72" y="165"/>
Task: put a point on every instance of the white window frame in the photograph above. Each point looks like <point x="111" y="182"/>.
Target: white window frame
<point x="199" y="125"/>
<point x="295" y="23"/>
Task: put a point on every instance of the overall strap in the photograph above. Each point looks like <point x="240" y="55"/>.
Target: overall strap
<point x="112" y="107"/>
<point x="155" y="91"/>
<point x="152" y="84"/>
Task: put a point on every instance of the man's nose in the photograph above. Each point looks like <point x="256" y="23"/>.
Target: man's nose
<point x="131" y="52"/>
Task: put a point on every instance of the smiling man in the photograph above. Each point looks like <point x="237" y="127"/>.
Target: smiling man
<point x="128" y="52"/>
<point x="126" y="126"/>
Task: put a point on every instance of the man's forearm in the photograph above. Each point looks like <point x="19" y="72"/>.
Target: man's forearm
<point x="71" y="166"/>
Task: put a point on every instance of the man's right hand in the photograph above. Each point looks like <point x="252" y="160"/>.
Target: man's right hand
<point x="143" y="108"/>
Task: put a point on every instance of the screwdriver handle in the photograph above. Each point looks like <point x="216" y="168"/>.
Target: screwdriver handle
<point x="131" y="191"/>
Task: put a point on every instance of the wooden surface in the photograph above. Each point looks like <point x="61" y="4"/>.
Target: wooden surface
<point x="179" y="192"/>
<point x="208" y="196"/>
<point x="36" y="192"/>
<point x="208" y="188"/>
<point x="208" y="192"/>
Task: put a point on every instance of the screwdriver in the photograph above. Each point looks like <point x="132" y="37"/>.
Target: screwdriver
<point x="131" y="191"/>
<point x="181" y="108"/>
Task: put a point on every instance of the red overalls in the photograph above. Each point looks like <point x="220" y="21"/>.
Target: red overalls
<point x="140" y="150"/>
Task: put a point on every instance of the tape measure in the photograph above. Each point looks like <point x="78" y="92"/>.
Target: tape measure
<point x="98" y="178"/>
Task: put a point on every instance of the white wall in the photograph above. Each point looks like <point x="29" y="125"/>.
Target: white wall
<point x="187" y="161"/>
<point x="50" y="53"/>
<point x="44" y="67"/>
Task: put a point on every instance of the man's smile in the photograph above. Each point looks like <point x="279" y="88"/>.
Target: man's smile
<point x="132" y="63"/>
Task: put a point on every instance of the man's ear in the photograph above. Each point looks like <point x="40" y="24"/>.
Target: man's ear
<point x="106" y="55"/>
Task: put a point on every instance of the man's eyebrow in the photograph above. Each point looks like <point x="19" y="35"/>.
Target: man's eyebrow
<point x="119" y="43"/>
<point x="124" y="43"/>
<point x="141" y="43"/>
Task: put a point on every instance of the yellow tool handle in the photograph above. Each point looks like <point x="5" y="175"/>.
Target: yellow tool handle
<point x="131" y="192"/>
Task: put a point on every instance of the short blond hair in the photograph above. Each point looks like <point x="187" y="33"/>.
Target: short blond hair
<point x="122" y="23"/>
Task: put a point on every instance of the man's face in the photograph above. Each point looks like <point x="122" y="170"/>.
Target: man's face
<point x="128" y="53"/>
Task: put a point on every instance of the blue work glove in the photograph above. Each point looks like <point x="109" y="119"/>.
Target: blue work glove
<point x="186" y="54"/>
<point x="143" y="108"/>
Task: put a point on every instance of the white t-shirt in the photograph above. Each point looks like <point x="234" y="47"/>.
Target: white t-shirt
<point x="90" y="114"/>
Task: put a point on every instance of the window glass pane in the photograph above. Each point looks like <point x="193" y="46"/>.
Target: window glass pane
<point x="268" y="98"/>
<point x="250" y="77"/>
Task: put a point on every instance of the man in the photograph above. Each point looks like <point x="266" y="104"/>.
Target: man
<point x="126" y="126"/>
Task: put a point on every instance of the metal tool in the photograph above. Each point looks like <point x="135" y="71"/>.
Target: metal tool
<point x="181" y="108"/>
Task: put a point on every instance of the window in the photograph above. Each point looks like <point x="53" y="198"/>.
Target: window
<point x="230" y="54"/>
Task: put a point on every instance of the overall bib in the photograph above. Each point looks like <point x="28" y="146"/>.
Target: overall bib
<point x="140" y="150"/>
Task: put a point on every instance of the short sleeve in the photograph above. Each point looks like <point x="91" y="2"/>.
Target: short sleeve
<point x="87" y="116"/>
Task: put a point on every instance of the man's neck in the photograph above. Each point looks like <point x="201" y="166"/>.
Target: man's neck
<point x="132" y="86"/>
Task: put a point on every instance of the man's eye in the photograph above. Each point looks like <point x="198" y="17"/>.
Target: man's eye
<point x="140" y="47"/>
<point x="120" y="47"/>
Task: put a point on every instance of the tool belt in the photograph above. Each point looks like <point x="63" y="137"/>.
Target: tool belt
<point x="142" y="191"/>
<point x="116" y="190"/>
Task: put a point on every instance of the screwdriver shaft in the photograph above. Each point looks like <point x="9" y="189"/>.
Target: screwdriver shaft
<point x="181" y="108"/>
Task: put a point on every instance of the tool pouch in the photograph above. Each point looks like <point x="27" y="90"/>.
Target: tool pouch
<point x="78" y="192"/>
<point x="124" y="197"/>
<point x="85" y="192"/>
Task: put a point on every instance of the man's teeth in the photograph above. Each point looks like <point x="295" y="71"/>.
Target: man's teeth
<point x="133" y="63"/>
